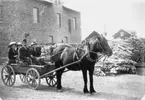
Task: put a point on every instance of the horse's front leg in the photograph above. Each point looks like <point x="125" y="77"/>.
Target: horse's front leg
<point x="84" y="72"/>
<point x="92" y="90"/>
<point x="58" y="75"/>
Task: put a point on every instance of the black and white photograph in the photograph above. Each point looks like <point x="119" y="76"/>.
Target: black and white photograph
<point x="72" y="49"/>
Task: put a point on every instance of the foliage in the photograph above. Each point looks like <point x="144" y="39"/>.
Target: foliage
<point x="138" y="49"/>
<point x="126" y="53"/>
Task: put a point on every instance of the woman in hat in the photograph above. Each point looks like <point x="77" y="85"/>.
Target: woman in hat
<point x="12" y="52"/>
<point x="19" y="45"/>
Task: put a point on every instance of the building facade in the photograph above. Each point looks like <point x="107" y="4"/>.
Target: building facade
<point x="37" y="20"/>
<point x="123" y="34"/>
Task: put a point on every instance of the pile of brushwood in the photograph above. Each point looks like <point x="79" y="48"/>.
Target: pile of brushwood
<point x="126" y="53"/>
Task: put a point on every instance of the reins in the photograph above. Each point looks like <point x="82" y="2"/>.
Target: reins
<point x="94" y="60"/>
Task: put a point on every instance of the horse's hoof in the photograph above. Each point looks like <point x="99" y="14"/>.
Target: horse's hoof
<point x="59" y="90"/>
<point x="92" y="92"/>
<point x="86" y="91"/>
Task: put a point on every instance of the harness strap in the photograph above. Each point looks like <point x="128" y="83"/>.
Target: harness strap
<point x="62" y="53"/>
<point x="75" y="55"/>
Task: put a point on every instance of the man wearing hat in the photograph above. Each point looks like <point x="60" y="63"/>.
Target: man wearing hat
<point x="34" y="50"/>
<point x="24" y="53"/>
<point x="12" y="52"/>
<point x="35" y="54"/>
<point x="19" y="45"/>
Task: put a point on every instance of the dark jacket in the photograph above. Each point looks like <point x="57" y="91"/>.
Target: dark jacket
<point x="35" y="51"/>
<point x="24" y="53"/>
<point x="12" y="54"/>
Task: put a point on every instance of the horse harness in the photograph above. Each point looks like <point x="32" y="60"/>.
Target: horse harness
<point x="88" y="52"/>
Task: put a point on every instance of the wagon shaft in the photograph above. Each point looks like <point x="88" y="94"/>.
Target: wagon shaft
<point x="52" y="71"/>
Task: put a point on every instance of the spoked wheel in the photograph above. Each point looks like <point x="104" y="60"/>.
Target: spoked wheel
<point x="8" y="75"/>
<point x="23" y="78"/>
<point x="33" y="78"/>
<point x="51" y="80"/>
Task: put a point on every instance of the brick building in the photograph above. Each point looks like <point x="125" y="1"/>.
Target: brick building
<point x="41" y="20"/>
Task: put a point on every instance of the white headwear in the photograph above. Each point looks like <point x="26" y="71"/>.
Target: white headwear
<point x="19" y="43"/>
<point x="12" y="43"/>
<point x="33" y="43"/>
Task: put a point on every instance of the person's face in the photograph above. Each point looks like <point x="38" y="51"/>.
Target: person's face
<point x="19" y="46"/>
<point x="13" y="46"/>
<point x="24" y="44"/>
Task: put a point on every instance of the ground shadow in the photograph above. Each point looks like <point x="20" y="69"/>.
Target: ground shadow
<point x="97" y="95"/>
<point x="22" y="86"/>
<point x="113" y="96"/>
<point x="104" y="95"/>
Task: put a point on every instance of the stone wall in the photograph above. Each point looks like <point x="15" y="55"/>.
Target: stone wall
<point x="18" y="22"/>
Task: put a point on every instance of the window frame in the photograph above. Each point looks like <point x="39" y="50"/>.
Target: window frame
<point x="69" y="25"/>
<point x="59" y="19"/>
<point x="36" y="15"/>
<point x="122" y="34"/>
<point x="74" y="22"/>
<point x="1" y="13"/>
<point x="51" y="38"/>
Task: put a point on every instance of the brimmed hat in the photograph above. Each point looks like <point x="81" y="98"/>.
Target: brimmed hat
<point x="33" y="43"/>
<point x="19" y="43"/>
<point x="12" y="43"/>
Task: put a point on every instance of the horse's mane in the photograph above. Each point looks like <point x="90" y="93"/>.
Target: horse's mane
<point x="87" y="41"/>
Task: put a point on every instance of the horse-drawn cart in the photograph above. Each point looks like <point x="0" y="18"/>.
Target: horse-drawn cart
<point x="30" y="74"/>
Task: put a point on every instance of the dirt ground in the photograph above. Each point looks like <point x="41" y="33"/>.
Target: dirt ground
<point x="123" y="87"/>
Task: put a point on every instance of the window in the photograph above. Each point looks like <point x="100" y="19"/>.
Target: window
<point x="59" y="19"/>
<point x="65" y="39"/>
<point x="35" y="15"/>
<point x="51" y="39"/>
<point x="1" y="13"/>
<point x="74" y="23"/>
<point x="69" y="25"/>
<point x="121" y="34"/>
<point x="57" y="1"/>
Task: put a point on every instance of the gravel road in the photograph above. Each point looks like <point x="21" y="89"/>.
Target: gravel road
<point x="123" y="87"/>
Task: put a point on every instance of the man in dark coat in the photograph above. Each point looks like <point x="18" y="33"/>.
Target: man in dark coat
<point x="24" y="53"/>
<point x="35" y="52"/>
<point x="12" y="52"/>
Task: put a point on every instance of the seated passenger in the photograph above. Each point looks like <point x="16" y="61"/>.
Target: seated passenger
<point x="19" y="45"/>
<point x="35" y="54"/>
<point x="12" y="52"/>
<point x="24" y="54"/>
<point x="35" y="50"/>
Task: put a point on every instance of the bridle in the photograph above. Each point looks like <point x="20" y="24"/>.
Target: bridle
<point x="94" y="60"/>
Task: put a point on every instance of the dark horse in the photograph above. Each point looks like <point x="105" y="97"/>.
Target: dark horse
<point x="86" y="52"/>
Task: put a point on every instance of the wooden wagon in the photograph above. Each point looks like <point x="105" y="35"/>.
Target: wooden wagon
<point x="30" y="74"/>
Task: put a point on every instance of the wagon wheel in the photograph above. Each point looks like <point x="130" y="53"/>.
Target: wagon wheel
<point x="33" y="78"/>
<point x="23" y="78"/>
<point x="8" y="75"/>
<point x="51" y="80"/>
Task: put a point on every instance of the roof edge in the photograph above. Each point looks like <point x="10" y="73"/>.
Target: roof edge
<point x="70" y="9"/>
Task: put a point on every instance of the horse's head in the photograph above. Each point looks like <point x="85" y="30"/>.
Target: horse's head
<point x="99" y="44"/>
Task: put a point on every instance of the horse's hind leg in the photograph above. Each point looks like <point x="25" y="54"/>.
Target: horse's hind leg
<point x="92" y="90"/>
<point x="84" y="71"/>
